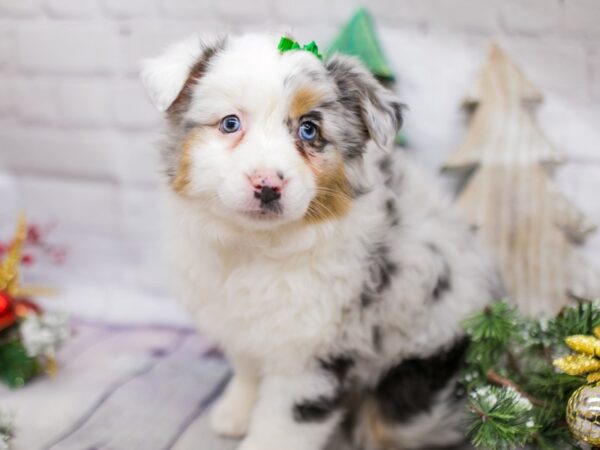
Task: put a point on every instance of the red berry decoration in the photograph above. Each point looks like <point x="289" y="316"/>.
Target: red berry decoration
<point x="27" y="259"/>
<point x="34" y="234"/>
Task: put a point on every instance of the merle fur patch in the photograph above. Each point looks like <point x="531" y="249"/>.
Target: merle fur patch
<point x="392" y="212"/>
<point x="318" y="409"/>
<point x="443" y="284"/>
<point x="385" y="167"/>
<point x="381" y="270"/>
<point x="377" y="336"/>
<point x="360" y="95"/>
<point x="338" y="366"/>
<point x="412" y="387"/>
<point x="444" y="281"/>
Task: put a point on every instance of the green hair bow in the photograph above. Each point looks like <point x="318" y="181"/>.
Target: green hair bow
<point x="287" y="44"/>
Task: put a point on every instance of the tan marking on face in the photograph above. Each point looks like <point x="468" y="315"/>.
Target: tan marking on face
<point x="181" y="181"/>
<point x="334" y="195"/>
<point x="305" y="99"/>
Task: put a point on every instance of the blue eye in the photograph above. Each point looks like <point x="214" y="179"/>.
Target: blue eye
<point x="308" y="131"/>
<point x="230" y="124"/>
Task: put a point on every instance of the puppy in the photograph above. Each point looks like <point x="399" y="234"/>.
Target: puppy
<point x="332" y="274"/>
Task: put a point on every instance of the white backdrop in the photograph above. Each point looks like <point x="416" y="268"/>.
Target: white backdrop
<point x="77" y="133"/>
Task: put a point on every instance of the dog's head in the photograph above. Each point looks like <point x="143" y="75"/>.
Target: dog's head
<point x="264" y="138"/>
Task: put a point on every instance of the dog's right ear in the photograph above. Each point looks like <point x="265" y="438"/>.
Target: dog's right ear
<point x="167" y="75"/>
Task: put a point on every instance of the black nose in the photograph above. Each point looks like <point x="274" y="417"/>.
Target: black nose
<point x="267" y="195"/>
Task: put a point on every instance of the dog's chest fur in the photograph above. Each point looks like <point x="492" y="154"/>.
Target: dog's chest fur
<point x="269" y="297"/>
<point x="383" y="283"/>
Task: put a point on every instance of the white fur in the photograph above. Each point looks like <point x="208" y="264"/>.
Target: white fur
<point x="230" y="416"/>
<point x="165" y="75"/>
<point x="279" y="294"/>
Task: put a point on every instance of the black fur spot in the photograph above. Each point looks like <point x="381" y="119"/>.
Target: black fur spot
<point x="397" y="108"/>
<point x="385" y="167"/>
<point x="377" y="338"/>
<point x="385" y="266"/>
<point x="317" y="410"/>
<point x="339" y="366"/>
<point x="392" y="212"/>
<point x="315" y="116"/>
<point x="412" y="386"/>
<point x="381" y="270"/>
<point x="367" y="298"/>
<point x="353" y="144"/>
<point x="443" y="284"/>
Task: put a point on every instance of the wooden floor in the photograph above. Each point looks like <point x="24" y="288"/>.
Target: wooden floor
<point x="123" y="388"/>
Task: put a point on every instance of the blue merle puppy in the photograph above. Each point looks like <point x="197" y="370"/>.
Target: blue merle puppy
<point x="327" y="266"/>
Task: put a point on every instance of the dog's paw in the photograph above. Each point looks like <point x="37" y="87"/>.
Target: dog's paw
<point x="230" y="418"/>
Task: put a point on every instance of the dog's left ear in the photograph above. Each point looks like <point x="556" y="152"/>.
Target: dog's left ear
<point x="379" y="109"/>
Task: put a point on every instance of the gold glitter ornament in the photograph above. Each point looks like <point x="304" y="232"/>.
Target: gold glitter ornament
<point x="583" y="409"/>
<point x="588" y="345"/>
<point x="585" y="361"/>
<point x="583" y="414"/>
<point x="9" y="267"/>
<point x="578" y="364"/>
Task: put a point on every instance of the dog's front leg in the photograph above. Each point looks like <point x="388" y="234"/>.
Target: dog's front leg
<point x="294" y="412"/>
<point x="231" y="414"/>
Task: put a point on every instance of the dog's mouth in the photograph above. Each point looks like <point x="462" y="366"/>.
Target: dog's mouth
<point x="263" y="214"/>
<point x="269" y="212"/>
<point x="266" y="210"/>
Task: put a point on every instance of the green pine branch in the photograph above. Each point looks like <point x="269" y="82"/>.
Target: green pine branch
<point x="517" y="397"/>
<point x="499" y="419"/>
<point x="16" y="367"/>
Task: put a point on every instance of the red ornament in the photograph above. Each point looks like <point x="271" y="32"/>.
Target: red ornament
<point x="4" y="302"/>
<point x="7" y="314"/>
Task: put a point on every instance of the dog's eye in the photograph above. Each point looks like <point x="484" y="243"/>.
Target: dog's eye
<point x="230" y="124"/>
<point x="307" y="131"/>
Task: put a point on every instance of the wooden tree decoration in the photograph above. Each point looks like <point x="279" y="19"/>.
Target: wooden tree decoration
<point x="528" y="225"/>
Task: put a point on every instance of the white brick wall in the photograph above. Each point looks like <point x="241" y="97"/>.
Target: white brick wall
<point x="78" y="135"/>
<point x="67" y="48"/>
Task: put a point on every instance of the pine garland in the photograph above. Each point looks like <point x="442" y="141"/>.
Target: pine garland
<point x="17" y="366"/>
<point x="516" y="396"/>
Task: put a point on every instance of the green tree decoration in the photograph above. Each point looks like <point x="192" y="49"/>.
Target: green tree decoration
<point x="359" y="38"/>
